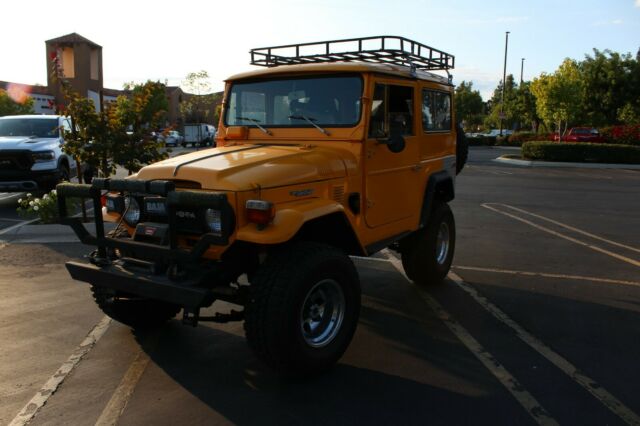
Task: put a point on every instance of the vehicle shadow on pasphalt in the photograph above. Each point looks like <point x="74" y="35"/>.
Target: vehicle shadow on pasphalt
<point x="394" y="372"/>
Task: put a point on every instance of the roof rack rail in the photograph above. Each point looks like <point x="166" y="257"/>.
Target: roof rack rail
<point x="379" y="49"/>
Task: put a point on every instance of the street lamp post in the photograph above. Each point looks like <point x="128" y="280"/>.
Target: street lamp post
<point x="504" y="78"/>
<point x="521" y="69"/>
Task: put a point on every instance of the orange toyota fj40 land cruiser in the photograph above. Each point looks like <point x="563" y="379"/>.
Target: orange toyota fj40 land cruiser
<point x="322" y="155"/>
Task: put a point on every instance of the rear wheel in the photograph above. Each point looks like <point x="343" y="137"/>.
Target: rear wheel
<point x="428" y="252"/>
<point x="303" y="308"/>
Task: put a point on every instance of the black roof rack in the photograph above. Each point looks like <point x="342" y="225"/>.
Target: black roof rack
<point x="379" y="49"/>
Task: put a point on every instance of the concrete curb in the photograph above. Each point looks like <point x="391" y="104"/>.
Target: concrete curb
<point x="532" y="163"/>
<point x="43" y="234"/>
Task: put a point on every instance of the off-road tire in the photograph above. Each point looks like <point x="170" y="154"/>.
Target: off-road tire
<point x="422" y="260"/>
<point x="274" y="313"/>
<point x="133" y="311"/>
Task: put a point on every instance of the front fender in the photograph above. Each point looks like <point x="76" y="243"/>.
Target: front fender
<point x="288" y="220"/>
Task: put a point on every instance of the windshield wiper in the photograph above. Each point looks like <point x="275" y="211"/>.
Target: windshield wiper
<point x="310" y="120"/>
<point x="256" y="122"/>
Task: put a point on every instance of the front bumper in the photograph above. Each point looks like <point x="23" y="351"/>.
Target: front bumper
<point x="116" y="277"/>
<point x="14" y="180"/>
<point x="190" y="289"/>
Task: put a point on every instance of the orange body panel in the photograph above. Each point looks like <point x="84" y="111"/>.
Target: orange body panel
<point x="307" y="174"/>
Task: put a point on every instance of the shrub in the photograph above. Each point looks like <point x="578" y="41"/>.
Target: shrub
<point x="581" y="152"/>
<point x="625" y="135"/>
<point x="46" y="208"/>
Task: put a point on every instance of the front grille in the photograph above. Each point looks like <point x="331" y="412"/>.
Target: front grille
<point x="15" y="160"/>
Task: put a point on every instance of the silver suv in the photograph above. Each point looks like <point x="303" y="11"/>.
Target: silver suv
<point x="31" y="156"/>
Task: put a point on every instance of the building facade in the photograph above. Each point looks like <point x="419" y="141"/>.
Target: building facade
<point x="80" y="63"/>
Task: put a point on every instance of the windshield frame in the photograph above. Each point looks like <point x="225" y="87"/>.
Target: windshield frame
<point x="303" y="124"/>
<point x="55" y="128"/>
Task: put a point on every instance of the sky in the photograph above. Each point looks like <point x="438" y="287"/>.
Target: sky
<point x="165" y="40"/>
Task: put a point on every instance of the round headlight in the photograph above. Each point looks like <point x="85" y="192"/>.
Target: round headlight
<point x="214" y="220"/>
<point x="132" y="211"/>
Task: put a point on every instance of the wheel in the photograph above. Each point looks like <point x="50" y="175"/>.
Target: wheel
<point x="131" y="310"/>
<point x="65" y="174"/>
<point x="134" y="311"/>
<point x="427" y="253"/>
<point x="303" y="308"/>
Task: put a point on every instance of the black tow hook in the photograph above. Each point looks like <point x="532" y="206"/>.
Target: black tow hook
<point x="192" y="317"/>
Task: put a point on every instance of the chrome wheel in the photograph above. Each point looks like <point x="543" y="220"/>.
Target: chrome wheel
<point x="322" y="313"/>
<point x="442" y="243"/>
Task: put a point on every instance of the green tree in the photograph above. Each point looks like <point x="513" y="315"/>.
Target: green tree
<point x="507" y="108"/>
<point x="118" y="134"/>
<point x="524" y="107"/>
<point x="8" y="106"/>
<point x="559" y="95"/>
<point x="468" y="105"/>
<point x="611" y="87"/>
<point x="198" y="105"/>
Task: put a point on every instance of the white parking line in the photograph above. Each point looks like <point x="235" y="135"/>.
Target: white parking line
<point x="528" y="402"/>
<point x="118" y="402"/>
<point x="17" y="225"/>
<point x="547" y="275"/>
<point x="30" y="410"/>
<point x="590" y="385"/>
<point x="8" y="195"/>
<point x="566" y="237"/>
<point x="571" y="228"/>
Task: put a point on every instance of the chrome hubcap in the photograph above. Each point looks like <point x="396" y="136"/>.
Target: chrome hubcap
<point x="322" y="313"/>
<point x="442" y="243"/>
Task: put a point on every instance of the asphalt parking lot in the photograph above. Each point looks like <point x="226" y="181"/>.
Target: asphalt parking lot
<point x="538" y="323"/>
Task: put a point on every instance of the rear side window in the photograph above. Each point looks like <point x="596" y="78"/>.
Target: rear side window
<point x="436" y="111"/>
<point x="391" y="111"/>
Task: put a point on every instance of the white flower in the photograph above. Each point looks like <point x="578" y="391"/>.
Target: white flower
<point x="54" y="192"/>
<point x="37" y="201"/>
<point x="45" y="196"/>
<point x="35" y="208"/>
<point x="31" y="203"/>
<point x="28" y="194"/>
<point x="19" y="200"/>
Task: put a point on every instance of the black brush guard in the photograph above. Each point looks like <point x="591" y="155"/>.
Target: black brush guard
<point x="189" y="292"/>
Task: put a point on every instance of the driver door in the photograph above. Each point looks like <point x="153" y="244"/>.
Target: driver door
<point x="392" y="180"/>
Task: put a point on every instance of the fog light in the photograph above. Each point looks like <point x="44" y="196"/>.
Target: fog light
<point x="214" y="220"/>
<point x="132" y="211"/>
<point x="114" y="203"/>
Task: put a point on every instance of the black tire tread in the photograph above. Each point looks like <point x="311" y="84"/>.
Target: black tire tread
<point x="270" y="293"/>
<point x="418" y="268"/>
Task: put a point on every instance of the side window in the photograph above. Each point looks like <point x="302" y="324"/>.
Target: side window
<point x="391" y="111"/>
<point x="436" y="111"/>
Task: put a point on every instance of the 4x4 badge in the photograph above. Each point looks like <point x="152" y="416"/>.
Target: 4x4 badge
<point x="301" y="193"/>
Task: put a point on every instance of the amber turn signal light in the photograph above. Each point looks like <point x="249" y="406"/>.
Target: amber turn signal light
<point x="260" y="212"/>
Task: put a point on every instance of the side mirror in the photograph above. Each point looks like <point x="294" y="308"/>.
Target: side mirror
<point x="395" y="142"/>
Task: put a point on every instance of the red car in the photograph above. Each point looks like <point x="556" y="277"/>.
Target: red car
<point x="580" y="134"/>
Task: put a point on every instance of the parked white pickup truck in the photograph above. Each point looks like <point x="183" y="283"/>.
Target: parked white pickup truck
<point x="31" y="156"/>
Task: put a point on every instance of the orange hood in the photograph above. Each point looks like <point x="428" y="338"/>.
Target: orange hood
<point x="246" y="167"/>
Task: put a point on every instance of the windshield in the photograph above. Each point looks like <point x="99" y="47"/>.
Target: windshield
<point x="296" y="102"/>
<point x="39" y="127"/>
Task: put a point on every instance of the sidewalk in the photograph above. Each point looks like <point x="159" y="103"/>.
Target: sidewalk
<point x="534" y="163"/>
<point x="43" y="234"/>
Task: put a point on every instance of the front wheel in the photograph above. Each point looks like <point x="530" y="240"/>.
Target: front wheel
<point x="428" y="252"/>
<point x="303" y="308"/>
